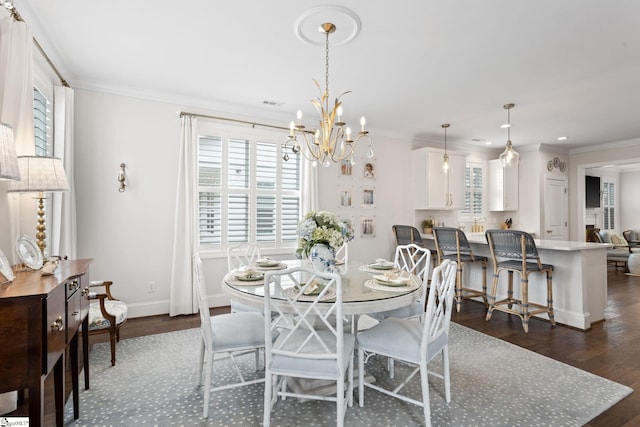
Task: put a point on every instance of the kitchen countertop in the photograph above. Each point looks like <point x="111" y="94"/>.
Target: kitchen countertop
<point x="555" y="245"/>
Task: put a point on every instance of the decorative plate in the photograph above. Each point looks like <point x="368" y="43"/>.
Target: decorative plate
<point x="5" y="268"/>
<point x="267" y="262"/>
<point x="29" y="252"/>
<point x="563" y="166"/>
<point x="550" y="165"/>
<point x="556" y="162"/>
<point x="249" y="277"/>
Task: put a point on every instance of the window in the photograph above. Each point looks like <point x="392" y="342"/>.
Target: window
<point x="247" y="193"/>
<point x="608" y="203"/>
<point x="473" y="190"/>
<point x="41" y="115"/>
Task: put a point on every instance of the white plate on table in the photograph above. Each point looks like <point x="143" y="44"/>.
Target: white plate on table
<point x="267" y="262"/>
<point x="391" y="281"/>
<point x="29" y="252"/>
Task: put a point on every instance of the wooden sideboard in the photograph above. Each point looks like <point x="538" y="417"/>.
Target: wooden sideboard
<point x="40" y="318"/>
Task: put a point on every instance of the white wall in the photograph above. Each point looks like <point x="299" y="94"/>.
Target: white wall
<point x="129" y="235"/>
<point x="629" y="201"/>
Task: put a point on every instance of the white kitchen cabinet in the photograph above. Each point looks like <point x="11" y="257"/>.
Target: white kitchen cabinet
<point x="432" y="188"/>
<point x="503" y="187"/>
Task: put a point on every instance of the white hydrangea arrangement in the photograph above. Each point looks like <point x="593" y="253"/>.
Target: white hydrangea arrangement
<point x="321" y="227"/>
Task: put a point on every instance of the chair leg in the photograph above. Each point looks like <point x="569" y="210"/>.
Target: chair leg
<point x="208" y="373"/>
<point x="510" y="289"/>
<point x="458" y="296"/>
<point x="424" y="382"/>
<point x="268" y="389"/>
<point x="447" y="378"/>
<point x="492" y="298"/>
<point x="550" y="299"/>
<point x="112" y="339"/>
<point x="361" y="378"/>
<point x="350" y="383"/>
<point x="200" y="364"/>
<point x="340" y="407"/>
<point x="524" y="310"/>
<point x="484" y="282"/>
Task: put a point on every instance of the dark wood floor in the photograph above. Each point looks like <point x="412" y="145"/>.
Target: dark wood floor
<point x="610" y="349"/>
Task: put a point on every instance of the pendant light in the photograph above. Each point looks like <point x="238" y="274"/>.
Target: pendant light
<point x="445" y="158"/>
<point x="509" y="156"/>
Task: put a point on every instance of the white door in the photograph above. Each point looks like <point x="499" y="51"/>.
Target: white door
<point x="556" y="197"/>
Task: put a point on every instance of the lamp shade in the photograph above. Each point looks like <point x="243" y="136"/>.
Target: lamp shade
<point x="9" y="169"/>
<point x="40" y="174"/>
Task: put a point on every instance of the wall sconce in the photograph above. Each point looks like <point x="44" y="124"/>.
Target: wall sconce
<point x="122" y="178"/>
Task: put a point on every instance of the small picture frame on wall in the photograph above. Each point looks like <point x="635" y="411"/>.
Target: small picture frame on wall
<point x="368" y="197"/>
<point x="369" y="169"/>
<point x="368" y="227"/>
<point x="345" y="195"/>
<point x="346" y="169"/>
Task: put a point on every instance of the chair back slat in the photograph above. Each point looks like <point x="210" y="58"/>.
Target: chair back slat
<point x="415" y="260"/>
<point x="439" y="303"/>
<point x="450" y="240"/>
<point x="309" y="326"/>
<point x="509" y="244"/>
<point x="242" y="255"/>
<point x="406" y="234"/>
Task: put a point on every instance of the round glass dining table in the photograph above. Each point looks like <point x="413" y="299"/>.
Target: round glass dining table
<point x="357" y="297"/>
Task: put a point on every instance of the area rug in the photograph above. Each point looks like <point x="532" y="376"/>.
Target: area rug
<point x="493" y="383"/>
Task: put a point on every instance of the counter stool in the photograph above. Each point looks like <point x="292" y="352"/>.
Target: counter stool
<point x="452" y="243"/>
<point x="512" y="251"/>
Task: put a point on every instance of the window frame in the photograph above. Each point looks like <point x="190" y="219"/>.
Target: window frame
<point x="254" y="136"/>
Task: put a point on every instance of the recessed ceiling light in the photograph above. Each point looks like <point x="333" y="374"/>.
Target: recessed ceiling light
<point x="562" y="138"/>
<point x="504" y="126"/>
<point x="487" y="143"/>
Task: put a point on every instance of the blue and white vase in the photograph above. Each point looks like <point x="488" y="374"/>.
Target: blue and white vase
<point x="323" y="258"/>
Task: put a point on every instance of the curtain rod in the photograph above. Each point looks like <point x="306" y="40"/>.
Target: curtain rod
<point x="16" y="17"/>
<point x="254" y="124"/>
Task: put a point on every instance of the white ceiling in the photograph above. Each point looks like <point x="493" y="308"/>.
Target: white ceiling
<point x="572" y="67"/>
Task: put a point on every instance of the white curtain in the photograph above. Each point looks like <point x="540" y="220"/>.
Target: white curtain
<point x="183" y="299"/>
<point x="63" y="218"/>
<point x="16" y="110"/>
<point x="309" y="186"/>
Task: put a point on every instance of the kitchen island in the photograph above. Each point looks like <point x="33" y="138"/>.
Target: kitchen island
<point x="579" y="278"/>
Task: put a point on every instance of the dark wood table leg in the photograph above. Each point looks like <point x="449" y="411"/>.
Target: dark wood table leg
<point x="85" y="351"/>
<point x="73" y="346"/>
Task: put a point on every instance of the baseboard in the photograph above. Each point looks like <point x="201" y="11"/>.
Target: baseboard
<point x="154" y="308"/>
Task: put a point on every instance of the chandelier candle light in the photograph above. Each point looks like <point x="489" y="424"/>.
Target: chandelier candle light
<point x="509" y="156"/>
<point x="332" y="141"/>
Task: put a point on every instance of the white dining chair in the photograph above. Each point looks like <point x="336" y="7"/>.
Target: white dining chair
<point x="342" y="258"/>
<point x="311" y="341"/>
<point x="242" y="255"/>
<point x="228" y="334"/>
<point x="415" y="260"/>
<point x="414" y="343"/>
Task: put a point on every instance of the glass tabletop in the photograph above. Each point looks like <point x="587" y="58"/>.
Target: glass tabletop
<point x="358" y="298"/>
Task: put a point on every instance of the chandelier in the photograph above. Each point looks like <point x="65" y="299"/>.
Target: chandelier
<point x="509" y="156"/>
<point x="332" y="141"/>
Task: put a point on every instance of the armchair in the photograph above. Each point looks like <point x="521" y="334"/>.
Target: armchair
<point x="106" y="315"/>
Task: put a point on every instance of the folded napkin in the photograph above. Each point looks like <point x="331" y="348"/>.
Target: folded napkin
<point x="391" y="278"/>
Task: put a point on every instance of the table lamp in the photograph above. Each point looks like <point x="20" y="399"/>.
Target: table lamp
<point x="8" y="159"/>
<point x="40" y="174"/>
